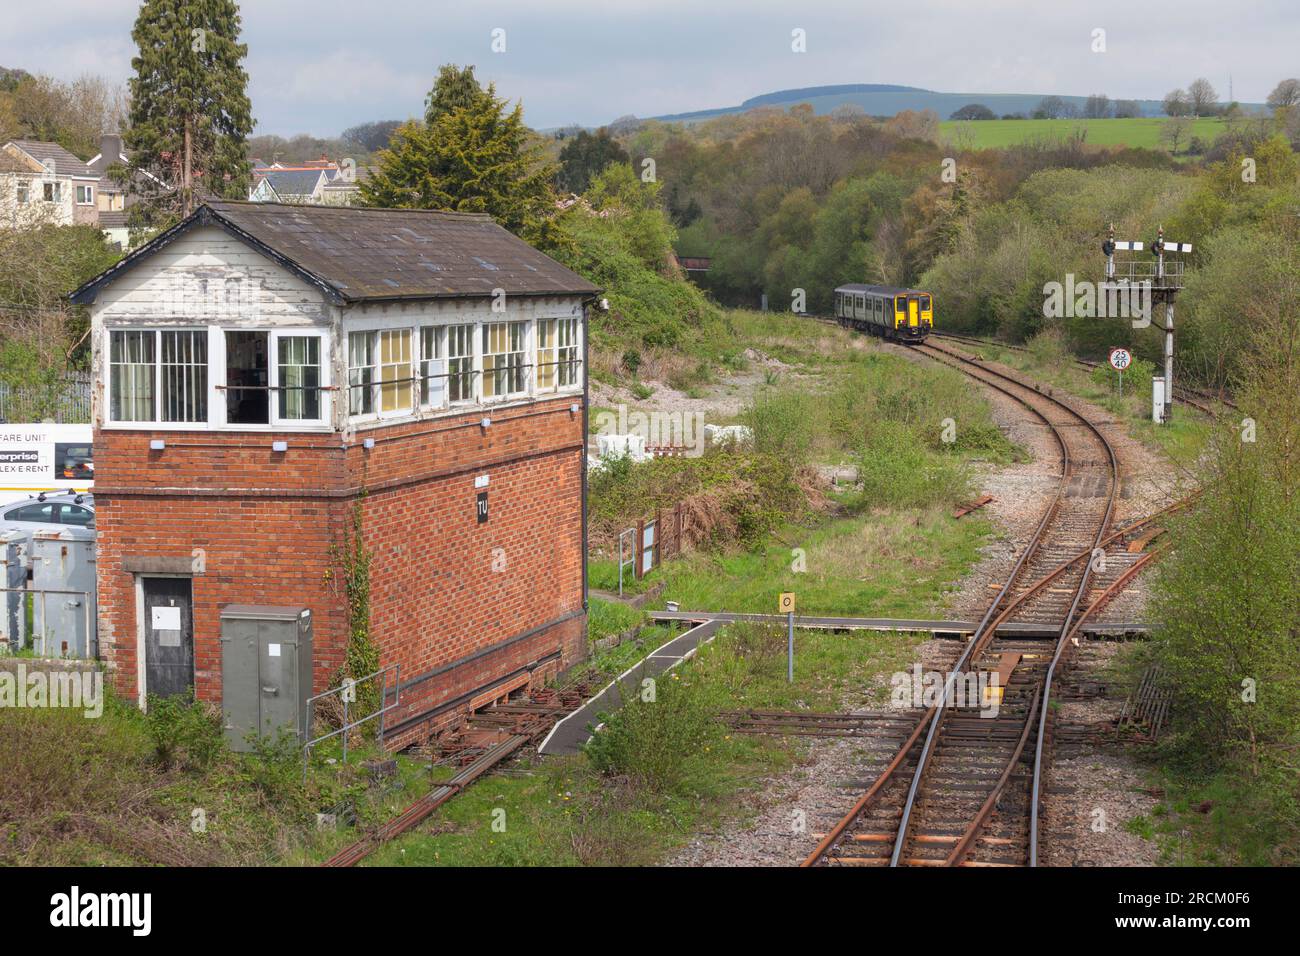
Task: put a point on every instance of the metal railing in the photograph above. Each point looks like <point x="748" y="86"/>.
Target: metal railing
<point x="1166" y="275"/>
<point x="67" y="402"/>
<point x="347" y="692"/>
<point x="630" y="551"/>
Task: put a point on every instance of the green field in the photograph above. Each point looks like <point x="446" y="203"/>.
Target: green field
<point x="991" y="134"/>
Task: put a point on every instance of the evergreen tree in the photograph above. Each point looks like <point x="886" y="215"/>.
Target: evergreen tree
<point x="455" y="87"/>
<point x="190" y="114"/>
<point x="586" y="155"/>
<point x="477" y="156"/>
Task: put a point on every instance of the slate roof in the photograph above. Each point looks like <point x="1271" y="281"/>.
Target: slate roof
<point x="293" y="182"/>
<point x="12" y="163"/>
<point x="65" y="164"/>
<point x="356" y="254"/>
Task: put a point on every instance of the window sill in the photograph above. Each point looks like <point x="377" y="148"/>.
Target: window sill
<point x="313" y="429"/>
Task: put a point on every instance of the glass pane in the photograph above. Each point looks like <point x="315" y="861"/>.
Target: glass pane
<point x="184" y="376"/>
<point x="131" y="376"/>
<point x="299" y="368"/>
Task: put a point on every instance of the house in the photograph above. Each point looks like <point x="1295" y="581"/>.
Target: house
<point x="266" y="375"/>
<point x="289" y="186"/>
<point x="113" y="196"/>
<point x="44" y="183"/>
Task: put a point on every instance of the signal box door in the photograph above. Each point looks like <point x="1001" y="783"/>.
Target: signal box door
<point x="168" y="630"/>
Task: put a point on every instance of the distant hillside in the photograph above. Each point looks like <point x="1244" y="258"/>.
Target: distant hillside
<point x="799" y="95"/>
<point x="878" y="99"/>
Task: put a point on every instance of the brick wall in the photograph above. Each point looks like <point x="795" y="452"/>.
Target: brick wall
<point x="460" y="605"/>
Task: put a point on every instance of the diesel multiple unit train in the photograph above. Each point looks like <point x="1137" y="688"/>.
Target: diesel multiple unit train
<point x="904" y="315"/>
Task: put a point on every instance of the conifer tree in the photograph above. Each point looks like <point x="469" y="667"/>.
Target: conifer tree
<point x="190" y="114"/>
<point x="475" y="155"/>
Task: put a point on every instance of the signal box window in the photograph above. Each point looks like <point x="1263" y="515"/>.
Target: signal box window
<point x="503" y="359"/>
<point x="298" y="365"/>
<point x="247" y="378"/>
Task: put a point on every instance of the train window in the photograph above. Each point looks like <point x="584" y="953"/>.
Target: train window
<point x="925" y="303"/>
<point x="901" y="303"/>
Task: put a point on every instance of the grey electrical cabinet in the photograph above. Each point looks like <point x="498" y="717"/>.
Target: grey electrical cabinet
<point x="266" y="660"/>
<point x="63" y="602"/>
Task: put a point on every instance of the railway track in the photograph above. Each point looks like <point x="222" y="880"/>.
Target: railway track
<point x="965" y="788"/>
<point x="1198" y="398"/>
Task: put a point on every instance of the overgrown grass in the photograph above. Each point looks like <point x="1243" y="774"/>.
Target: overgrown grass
<point x="663" y="771"/>
<point x="881" y="564"/>
<point x="128" y="788"/>
<point x="606" y="618"/>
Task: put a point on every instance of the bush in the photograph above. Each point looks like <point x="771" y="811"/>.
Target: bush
<point x="651" y="741"/>
<point x="184" y="732"/>
<point x="897" y="470"/>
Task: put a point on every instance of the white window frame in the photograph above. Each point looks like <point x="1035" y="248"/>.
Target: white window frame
<point x="90" y="195"/>
<point x="56" y="190"/>
<point x="525" y="351"/>
<point x="22" y="192"/>
<point x="216" y="419"/>
<point x="322" y="359"/>
<point x="552" y="354"/>
<point x="475" y="369"/>
<point x="376" y="386"/>
<point x="434" y="378"/>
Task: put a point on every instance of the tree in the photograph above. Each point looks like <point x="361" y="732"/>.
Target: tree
<point x="1127" y="109"/>
<point x="1285" y="95"/>
<point x="1050" y="107"/>
<point x="1203" y="97"/>
<point x="474" y="157"/>
<point x="455" y="87"/>
<point x="1176" y="103"/>
<point x="190" y="115"/>
<point x="584" y="156"/>
<point x="371" y="137"/>
<point x="1097" y="106"/>
<point x="973" y="111"/>
<point x="1175" y="131"/>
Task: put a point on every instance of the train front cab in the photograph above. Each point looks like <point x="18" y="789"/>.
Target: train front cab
<point x="913" y="316"/>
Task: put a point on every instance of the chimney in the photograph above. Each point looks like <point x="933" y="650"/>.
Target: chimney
<point x="110" y="149"/>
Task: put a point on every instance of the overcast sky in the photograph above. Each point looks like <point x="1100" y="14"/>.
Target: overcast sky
<point x="324" y="65"/>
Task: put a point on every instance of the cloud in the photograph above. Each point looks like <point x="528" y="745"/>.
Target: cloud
<point x="340" y="62"/>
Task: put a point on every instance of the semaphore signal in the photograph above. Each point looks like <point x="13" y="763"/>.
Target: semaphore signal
<point x="1165" y="279"/>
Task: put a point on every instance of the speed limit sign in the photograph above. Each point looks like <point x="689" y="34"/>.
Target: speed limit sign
<point x="1120" y="359"/>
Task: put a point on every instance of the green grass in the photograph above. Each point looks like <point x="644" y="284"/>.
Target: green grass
<point x="1140" y="132"/>
<point x="888" y="564"/>
<point x="563" y="812"/>
<point x="606" y="618"/>
<point x="1225" y="819"/>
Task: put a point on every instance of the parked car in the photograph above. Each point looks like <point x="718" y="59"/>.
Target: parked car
<point x="48" y="512"/>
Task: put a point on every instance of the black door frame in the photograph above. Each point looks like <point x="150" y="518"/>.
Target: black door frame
<point x="141" y="635"/>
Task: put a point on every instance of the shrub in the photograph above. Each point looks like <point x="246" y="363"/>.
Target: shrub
<point x="651" y="741"/>
<point x="185" y="733"/>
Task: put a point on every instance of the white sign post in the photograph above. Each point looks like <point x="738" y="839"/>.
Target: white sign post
<point x="1120" y="359"/>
